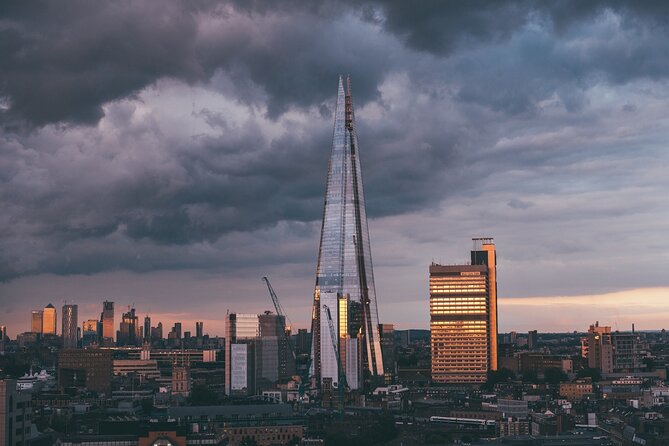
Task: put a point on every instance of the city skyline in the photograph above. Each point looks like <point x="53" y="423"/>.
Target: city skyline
<point x="192" y="165"/>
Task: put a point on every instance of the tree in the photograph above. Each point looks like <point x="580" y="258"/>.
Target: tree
<point x="200" y="395"/>
<point x="594" y="374"/>
<point x="531" y="377"/>
<point x="497" y="376"/>
<point x="554" y="375"/>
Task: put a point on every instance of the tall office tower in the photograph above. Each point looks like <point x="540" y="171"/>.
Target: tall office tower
<point x="199" y="333"/>
<point x="107" y="321"/>
<point x="241" y="331"/>
<point x="90" y="333"/>
<point x="129" y="329"/>
<point x="36" y="321"/>
<point x="157" y="332"/>
<point x="484" y="253"/>
<point x="49" y="320"/>
<point x="344" y="266"/>
<point x="147" y="329"/>
<point x="274" y="360"/>
<point x="69" y="326"/>
<point x="532" y="339"/>
<point x="3" y="337"/>
<point x="387" y="332"/>
<point x="600" y="348"/>
<point x="463" y="318"/>
<point x="302" y="341"/>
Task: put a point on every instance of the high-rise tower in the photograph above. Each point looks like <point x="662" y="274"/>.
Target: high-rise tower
<point x="107" y="323"/>
<point x="463" y="317"/>
<point x="69" y="326"/>
<point x="344" y="271"/>
<point x="49" y="320"/>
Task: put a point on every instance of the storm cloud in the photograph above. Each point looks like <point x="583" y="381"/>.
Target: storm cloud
<point x="148" y="137"/>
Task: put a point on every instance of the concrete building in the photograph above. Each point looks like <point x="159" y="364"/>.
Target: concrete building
<point x="241" y="331"/>
<point x="15" y="415"/>
<point x="576" y="390"/>
<point x="146" y="369"/>
<point x="85" y="369"/>
<point x="629" y="350"/>
<point x="600" y="348"/>
<point x="463" y="317"/>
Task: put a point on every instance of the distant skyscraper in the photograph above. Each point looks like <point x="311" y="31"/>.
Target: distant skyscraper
<point x="198" y="329"/>
<point x="241" y="331"/>
<point x="90" y="333"/>
<point x="302" y="344"/>
<point x="3" y="337"/>
<point x="274" y="360"/>
<point x="69" y="326"/>
<point x="532" y="339"/>
<point x="36" y="321"/>
<point x="129" y="329"/>
<point x="388" y="349"/>
<point x="49" y="320"/>
<point x="157" y="332"/>
<point x="484" y="254"/>
<point x="107" y="321"/>
<point x="463" y="317"/>
<point x="147" y="329"/>
<point x="344" y="269"/>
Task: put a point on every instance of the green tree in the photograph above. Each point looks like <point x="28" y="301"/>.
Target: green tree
<point x="554" y="375"/>
<point x="595" y="374"/>
<point x="530" y="377"/>
<point x="200" y="395"/>
<point x="497" y="376"/>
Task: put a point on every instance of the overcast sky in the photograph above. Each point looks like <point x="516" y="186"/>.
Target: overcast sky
<point x="168" y="155"/>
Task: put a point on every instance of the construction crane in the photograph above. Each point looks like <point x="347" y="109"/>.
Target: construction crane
<point x="279" y="311"/>
<point x="282" y="315"/>
<point x="341" y="376"/>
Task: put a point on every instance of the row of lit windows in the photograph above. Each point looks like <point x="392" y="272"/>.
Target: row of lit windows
<point x="472" y="311"/>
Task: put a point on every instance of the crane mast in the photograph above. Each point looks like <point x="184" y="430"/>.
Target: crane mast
<point x="280" y="313"/>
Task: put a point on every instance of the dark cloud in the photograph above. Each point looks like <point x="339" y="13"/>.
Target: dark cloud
<point x="129" y="164"/>
<point x="442" y="27"/>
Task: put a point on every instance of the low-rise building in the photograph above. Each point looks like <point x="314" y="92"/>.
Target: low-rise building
<point x="576" y="390"/>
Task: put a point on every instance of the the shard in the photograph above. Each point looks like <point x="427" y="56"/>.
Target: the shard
<point x="344" y="276"/>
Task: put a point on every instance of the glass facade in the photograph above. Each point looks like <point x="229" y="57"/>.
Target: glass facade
<point x="344" y="259"/>
<point x="69" y="326"/>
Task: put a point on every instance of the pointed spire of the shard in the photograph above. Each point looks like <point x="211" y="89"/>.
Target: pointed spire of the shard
<point x="344" y="276"/>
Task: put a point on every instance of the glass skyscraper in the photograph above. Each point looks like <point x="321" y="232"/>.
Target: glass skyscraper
<point x="344" y="271"/>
